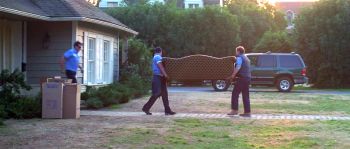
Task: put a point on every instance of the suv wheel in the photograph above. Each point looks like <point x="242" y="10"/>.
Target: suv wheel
<point x="220" y="85"/>
<point x="284" y="84"/>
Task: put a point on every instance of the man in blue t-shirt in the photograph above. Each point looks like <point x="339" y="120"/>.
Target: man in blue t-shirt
<point x="70" y="62"/>
<point x="159" y="87"/>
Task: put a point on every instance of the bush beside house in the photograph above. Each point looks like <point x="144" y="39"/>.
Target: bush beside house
<point x="12" y="103"/>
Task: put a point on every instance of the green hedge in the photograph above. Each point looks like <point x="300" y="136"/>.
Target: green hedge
<point x="12" y="104"/>
<point x="116" y="93"/>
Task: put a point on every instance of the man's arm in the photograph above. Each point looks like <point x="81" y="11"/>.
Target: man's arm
<point x="161" y="67"/>
<point x="237" y="68"/>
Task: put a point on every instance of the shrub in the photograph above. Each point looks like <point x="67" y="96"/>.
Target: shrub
<point x="25" y="107"/>
<point x="3" y="113"/>
<point x="11" y="85"/>
<point x="84" y="96"/>
<point x="94" y="103"/>
<point x="137" y="85"/>
<point x="11" y="103"/>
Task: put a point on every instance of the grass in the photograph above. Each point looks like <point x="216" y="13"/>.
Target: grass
<point x="293" y="103"/>
<point x="114" y="107"/>
<point x="314" y="107"/>
<point x="192" y="133"/>
<point x="303" y="87"/>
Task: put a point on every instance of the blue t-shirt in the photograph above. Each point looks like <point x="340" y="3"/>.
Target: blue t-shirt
<point x="239" y="62"/>
<point x="72" y="59"/>
<point x="156" y="59"/>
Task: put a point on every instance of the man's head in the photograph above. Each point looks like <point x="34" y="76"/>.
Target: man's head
<point x="240" y="50"/>
<point x="158" y="50"/>
<point x="78" y="45"/>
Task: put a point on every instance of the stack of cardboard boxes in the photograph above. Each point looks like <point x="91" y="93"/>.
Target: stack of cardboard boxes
<point x="60" y="99"/>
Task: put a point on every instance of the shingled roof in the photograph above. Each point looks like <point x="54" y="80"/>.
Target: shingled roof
<point x="61" y="10"/>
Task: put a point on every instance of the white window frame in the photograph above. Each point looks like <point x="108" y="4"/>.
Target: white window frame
<point x="99" y="59"/>
<point x="112" y="4"/>
<point x="193" y="5"/>
<point x="187" y="3"/>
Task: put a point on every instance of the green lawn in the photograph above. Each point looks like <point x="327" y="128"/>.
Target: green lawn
<point x="301" y="87"/>
<point x="295" y="103"/>
<point x="218" y="133"/>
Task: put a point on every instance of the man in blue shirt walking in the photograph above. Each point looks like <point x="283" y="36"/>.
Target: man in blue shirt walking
<point x="70" y="62"/>
<point x="243" y="75"/>
<point x="159" y="87"/>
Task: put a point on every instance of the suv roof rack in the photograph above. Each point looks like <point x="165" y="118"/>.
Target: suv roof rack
<point x="293" y="52"/>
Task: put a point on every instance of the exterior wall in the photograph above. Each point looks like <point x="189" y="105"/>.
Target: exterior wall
<point x="11" y="56"/>
<point x="104" y="3"/>
<point x="88" y="28"/>
<point x="214" y="2"/>
<point x="188" y="2"/>
<point x="46" y="43"/>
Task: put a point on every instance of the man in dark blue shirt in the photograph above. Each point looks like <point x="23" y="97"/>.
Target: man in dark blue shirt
<point x="159" y="87"/>
<point x="243" y="75"/>
<point x="70" y="60"/>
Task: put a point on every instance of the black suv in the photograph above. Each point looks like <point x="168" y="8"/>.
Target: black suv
<point x="282" y="70"/>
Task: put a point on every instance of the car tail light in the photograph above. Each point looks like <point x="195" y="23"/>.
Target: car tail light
<point x="303" y="72"/>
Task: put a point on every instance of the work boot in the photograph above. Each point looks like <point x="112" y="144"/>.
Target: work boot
<point x="233" y="112"/>
<point x="170" y="113"/>
<point x="245" y="115"/>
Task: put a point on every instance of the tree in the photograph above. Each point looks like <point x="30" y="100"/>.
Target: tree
<point x="212" y="30"/>
<point x="279" y="41"/>
<point x="322" y="37"/>
<point x="255" y="19"/>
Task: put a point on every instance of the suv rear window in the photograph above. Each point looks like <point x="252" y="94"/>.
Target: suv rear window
<point x="266" y="61"/>
<point x="290" y="61"/>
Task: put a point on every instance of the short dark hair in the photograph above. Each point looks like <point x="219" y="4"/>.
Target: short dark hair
<point x="240" y="49"/>
<point x="77" y="43"/>
<point x="157" y="50"/>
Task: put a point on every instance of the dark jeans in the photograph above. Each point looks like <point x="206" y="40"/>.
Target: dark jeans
<point x="71" y="75"/>
<point x="241" y="86"/>
<point x="159" y="88"/>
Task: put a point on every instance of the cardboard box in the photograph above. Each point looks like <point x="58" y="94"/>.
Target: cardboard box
<point x="52" y="96"/>
<point x="71" y="101"/>
<point x="59" y="80"/>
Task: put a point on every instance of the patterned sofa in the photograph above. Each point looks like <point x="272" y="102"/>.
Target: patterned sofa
<point x="199" y="67"/>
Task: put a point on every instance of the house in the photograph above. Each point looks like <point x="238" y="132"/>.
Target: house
<point x="291" y="9"/>
<point x="180" y="3"/>
<point x="200" y="3"/>
<point x="121" y="3"/>
<point x="34" y="34"/>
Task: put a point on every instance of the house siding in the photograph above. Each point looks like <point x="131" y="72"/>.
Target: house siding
<point x="44" y="62"/>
